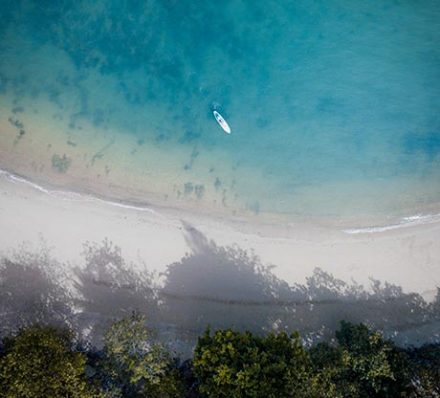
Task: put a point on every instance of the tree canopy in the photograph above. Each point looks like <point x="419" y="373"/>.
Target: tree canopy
<point x="235" y="364"/>
<point x="135" y="364"/>
<point x="43" y="362"/>
<point x="39" y="362"/>
<point x="363" y="364"/>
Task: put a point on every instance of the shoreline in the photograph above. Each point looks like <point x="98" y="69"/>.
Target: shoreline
<point x="406" y="257"/>
<point x="83" y="203"/>
<point x="264" y="220"/>
<point x="117" y="176"/>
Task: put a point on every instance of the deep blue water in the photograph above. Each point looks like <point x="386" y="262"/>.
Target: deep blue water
<point x="336" y="101"/>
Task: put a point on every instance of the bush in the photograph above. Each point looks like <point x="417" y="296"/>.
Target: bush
<point x="39" y="362"/>
<point x="135" y="365"/>
<point x="234" y="364"/>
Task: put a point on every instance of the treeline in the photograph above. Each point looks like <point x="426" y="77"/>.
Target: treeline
<point x="43" y="361"/>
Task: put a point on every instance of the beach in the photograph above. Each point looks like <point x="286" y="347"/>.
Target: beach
<point x="119" y="191"/>
<point x="84" y="204"/>
<point x="139" y="213"/>
<point x="407" y="256"/>
<point x="211" y="271"/>
<point x="108" y="232"/>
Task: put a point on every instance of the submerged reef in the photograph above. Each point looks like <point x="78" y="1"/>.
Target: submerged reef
<point x="61" y="163"/>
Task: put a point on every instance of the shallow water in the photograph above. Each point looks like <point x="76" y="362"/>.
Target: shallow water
<point x="333" y="106"/>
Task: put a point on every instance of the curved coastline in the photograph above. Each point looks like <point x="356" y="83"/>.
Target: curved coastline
<point x="31" y="211"/>
<point x="156" y="179"/>
<point x="401" y="223"/>
<point x="71" y="195"/>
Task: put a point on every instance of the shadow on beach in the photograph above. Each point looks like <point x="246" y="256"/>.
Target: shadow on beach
<point x="108" y="288"/>
<point x="216" y="286"/>
<point x="31" y="291"/>
<point x="228" y="287"/>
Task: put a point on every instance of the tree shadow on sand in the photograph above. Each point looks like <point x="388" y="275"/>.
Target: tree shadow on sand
<point x="217" y="286"/>
<point x="228" y="287"/>
<point x="30" y="291"/>
<point x="110" y="289"/>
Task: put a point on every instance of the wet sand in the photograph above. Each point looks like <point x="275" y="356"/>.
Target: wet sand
<point x="407" y="257"/>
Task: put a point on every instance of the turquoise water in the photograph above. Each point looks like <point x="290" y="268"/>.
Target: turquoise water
<point x="334" y="106"/>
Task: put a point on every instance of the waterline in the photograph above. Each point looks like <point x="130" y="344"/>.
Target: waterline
<point x="73" y="196"/>
<point x="405" y="222"/>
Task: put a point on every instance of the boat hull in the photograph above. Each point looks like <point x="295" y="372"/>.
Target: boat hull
<point x="222" y="122"/>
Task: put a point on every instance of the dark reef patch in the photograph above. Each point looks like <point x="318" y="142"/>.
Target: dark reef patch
<point x="189" y="136"/>
<point x="217" y="183"/>
<point x="199" y="191"/>
<point x="194" y="154"/>
<point x="19" y="126"/>
<point x="17" y="109"/>
<point x="16" y="122"/>
<point x="188" y="188"/>
<point x="61" y="163"/>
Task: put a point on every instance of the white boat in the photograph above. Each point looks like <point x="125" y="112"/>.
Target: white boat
<point x="222" y="122"/>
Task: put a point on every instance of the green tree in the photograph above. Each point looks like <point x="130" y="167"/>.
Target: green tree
<point x="233" y="364"/>
<point x="425" y="370"/>
<point x="369" y="366"/>
<point x="135" y="365"/>
<point x="327" y="366"/>
<point x="39" y="362"/>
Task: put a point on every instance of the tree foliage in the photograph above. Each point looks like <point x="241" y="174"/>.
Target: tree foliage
<point x="39" y="362"/>
<point x="363" y="364"/>
<point x="136" y="366"/>
<point x="234" y="364"/>
<point x="425" y="370"/>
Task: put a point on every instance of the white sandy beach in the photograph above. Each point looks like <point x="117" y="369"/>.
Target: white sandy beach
<point x="408" y="257"/>
<point x="140" y="210"/>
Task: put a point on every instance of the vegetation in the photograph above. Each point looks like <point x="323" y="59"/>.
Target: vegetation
<point x="363" y="364"/>
<point x="425" y="370"/>
<point x="233" y="364"/>
<point x="44" y="362"/>
<point x="135" y="365"/>
<point x="39" y="362"/>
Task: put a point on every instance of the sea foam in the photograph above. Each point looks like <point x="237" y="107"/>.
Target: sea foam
<point x="405" y="222"/>
<point x="72" y="196"/>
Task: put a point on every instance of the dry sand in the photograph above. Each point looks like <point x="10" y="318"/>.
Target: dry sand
<point x="408" y="257"/>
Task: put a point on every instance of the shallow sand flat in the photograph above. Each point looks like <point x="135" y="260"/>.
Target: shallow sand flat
<point x="110" y="164"/>
<point x="408" y="257"/>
